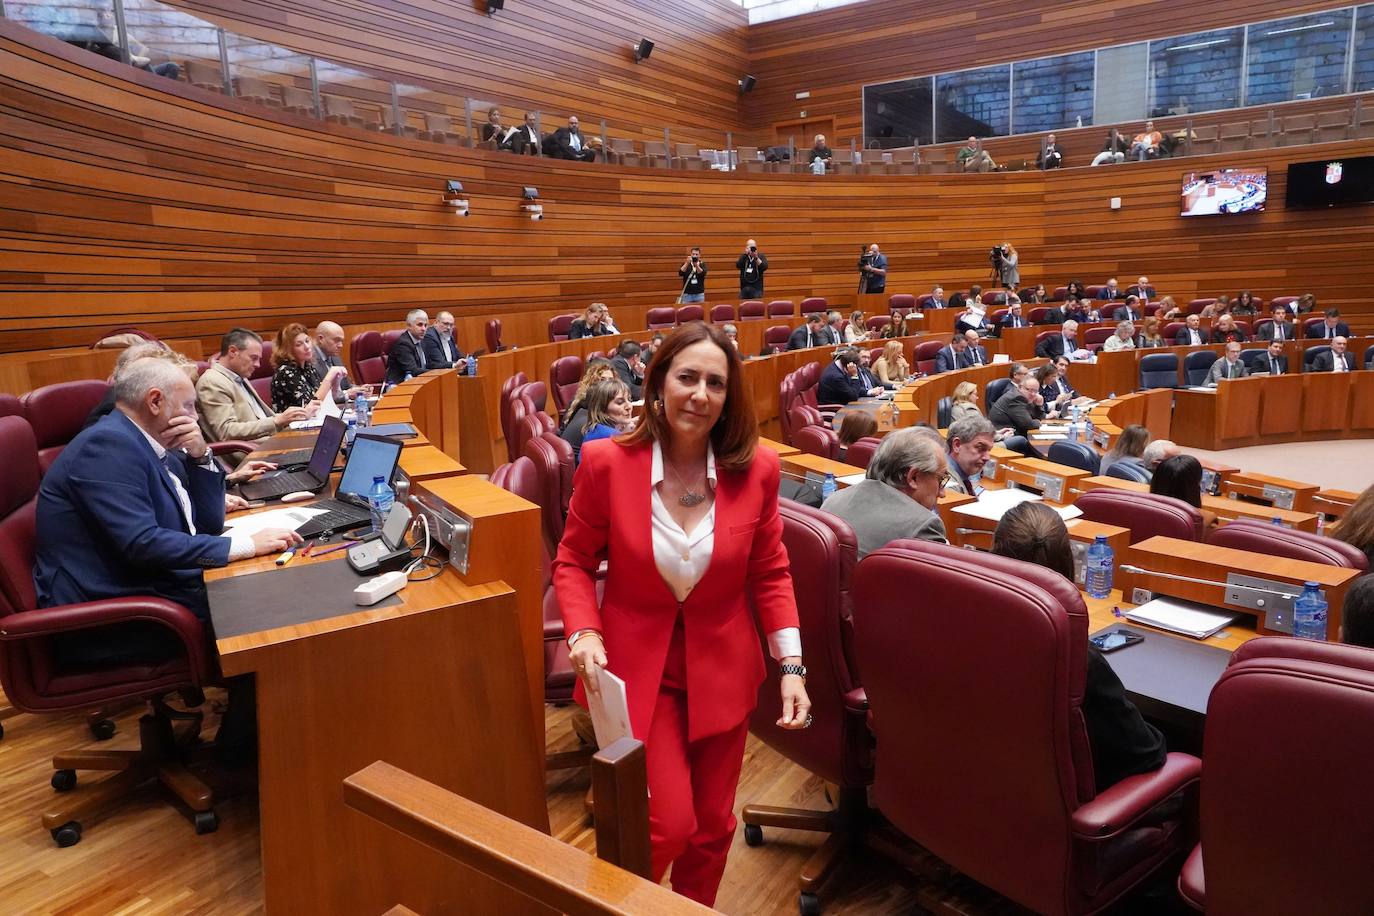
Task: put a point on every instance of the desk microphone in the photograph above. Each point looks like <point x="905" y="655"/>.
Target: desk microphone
<point x="1177" y="578"/>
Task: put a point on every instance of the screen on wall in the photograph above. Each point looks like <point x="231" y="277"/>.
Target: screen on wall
<point x="1330" y="183"/>
<point x="1224" y="191"/>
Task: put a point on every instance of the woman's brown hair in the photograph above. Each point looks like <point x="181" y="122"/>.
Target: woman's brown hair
<point x="1034" y="533"/>
<point x="1357" y="525"/>
<point x="281" y="348"/>
<point x="1131" y="443"/>
<point x="735" y="434"/>
<point x="856" y="425"/>
<point x="600" y="394"/>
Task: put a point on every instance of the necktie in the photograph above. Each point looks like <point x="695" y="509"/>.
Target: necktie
<point x="254" y="402"/>
<point x="1329" y="335"/>
<point x="419" y="352"/>
<point x="1278" y="331"/>
<point x="1274" y="367"/>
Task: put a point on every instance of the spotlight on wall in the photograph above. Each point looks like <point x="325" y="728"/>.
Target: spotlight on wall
<point x="455" y="198"/>
<point x="642" y="48"/>
<point x="747" y="83"/>
<point x="494" y="5"/>
<point x="535" y="211"/>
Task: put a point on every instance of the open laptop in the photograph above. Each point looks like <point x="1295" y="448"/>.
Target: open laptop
<point x="314" y="478"/>
<point x="371" y="456"/>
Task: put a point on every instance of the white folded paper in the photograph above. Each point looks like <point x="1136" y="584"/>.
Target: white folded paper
<point x="610" y="711"/>
<point x="289" y="519"/>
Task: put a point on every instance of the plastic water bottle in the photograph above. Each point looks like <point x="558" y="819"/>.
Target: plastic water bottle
<point x="379" y="500"/>
<point x="360" y="411"/>
<point x="1309" y="613"/>
<point x="827" y="486"/>
<point x="1276" y="521"/>
<point x="1098" y="573"/>
<point x="472" y="365"/>
<point x="351" y="432"/>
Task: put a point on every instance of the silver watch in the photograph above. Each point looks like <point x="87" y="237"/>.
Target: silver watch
<point x="798" y="670"/>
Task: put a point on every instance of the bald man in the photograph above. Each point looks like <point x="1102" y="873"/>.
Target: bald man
<point x="329" y="340"/>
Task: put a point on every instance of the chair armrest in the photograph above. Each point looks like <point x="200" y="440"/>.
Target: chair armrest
<point x="856" y="700"/>
<point x="1118" y="807"/>
<point x="228" y="446"/>
<point x="70" y="618"/>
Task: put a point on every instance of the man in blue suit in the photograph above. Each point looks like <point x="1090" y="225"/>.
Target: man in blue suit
<point x="952" y="357"/>
<point x="134" y="505"/>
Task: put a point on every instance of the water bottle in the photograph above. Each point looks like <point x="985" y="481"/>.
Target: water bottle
<point x="1078" y="122"/>
<point x="360" y="411"/>
<point x="827" y="487"/>
<point x="472" y="365"/>
<point x="1098" y="575"/>
<point x="1276" y="521"/>
<point x="351" y="432"/>
<point x="1309" y="613"/>
<point x="379" y="500"/>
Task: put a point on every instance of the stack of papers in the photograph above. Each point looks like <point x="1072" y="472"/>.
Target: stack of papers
<point x="1178" y="616"/>
<point x="994" y="504"/>
<point x="289" y="519"/>
<point x="327" y="409"/>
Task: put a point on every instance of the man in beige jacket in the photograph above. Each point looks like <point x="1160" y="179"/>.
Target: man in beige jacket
<point x="229" y="407"/>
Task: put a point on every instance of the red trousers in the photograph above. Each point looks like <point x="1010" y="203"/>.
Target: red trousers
<point x="691" y="788"/>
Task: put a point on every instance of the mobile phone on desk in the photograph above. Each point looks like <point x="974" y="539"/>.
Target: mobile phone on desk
<point x="1112" y="640"/>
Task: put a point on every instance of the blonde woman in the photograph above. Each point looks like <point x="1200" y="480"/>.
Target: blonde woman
<point x="855" y="332"/>
<point x="891" y="368"/>
<point x="596" y="370"/>
<point x="965" y="398"/>
<point x="1123" y="339"/>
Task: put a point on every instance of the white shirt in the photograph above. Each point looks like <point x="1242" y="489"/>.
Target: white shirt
<point x="240" y="546"/>
<point x="682" y="558"/>
<point x="1338" y="363"/>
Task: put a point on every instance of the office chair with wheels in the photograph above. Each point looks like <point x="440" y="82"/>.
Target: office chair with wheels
<point x="1075" y="455"/>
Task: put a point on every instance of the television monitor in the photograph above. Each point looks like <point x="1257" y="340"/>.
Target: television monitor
<point x="1224" y="192"/>
<point x="1330" y="183"/>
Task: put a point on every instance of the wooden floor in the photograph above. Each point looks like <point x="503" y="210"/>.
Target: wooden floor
<point x="146" y="859"/>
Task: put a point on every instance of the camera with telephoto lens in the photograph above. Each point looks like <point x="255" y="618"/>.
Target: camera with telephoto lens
<point x="995" y="256"/>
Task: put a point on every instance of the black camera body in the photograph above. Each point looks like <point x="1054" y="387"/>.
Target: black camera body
<point x="995" y="256"/>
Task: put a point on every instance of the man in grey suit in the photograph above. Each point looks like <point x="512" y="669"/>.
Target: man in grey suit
<point x="970" y="443"/>
<point x="897" y="497"/>
<point x="1228" y="367"/>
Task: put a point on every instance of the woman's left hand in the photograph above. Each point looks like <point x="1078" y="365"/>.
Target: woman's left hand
<point x="796" y="705"/>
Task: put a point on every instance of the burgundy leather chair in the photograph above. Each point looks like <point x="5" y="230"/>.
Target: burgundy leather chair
<point x="263" y="386"/>
<point x="691" y="312"/>
<point x="388" y="338"/>
<point x="1094" y="338"/>
<point x="493" y="335"/>
<point x="10" y="406"/>
<point x="1260" y="325"/>
<point x="861" y="452"/>
<point x="982" y="758"/>
<point x="1288" y="302"/>
<point x="782" y="308"/>
<point x="922" y="300"/>
<point x="658" y="319"/>
<point x="876" y="324"/>
<point x="38" y="680"/>
<point x="752" y="310"/>
<point x="559" y="326"/>
<point x="532" y="425"/>
<point x="903" y="301"/>
<point x="565" y="374"/>
<point x="775" y="338"/>
<point x="1277" y="541"/>
<point x="814" y="304"/>
<point x="787" y="396"/>
<point x="57" y="413"/>
<point x="1291" y="724"/>
<point x="838" y="748"/>
<point x="1170" y="332"/>
<point x="1310" y="323"/>
<point x="722" y="313"/>
<point x="816" y="440"/>
<point x="1060" y="294"/>
<point x="1145" y="514"/>
<point x="800" y="416"/>
<point x="923" y="358"/>
<point x="1094" y="292"/>
<point x="365" y="358"/>
<point x="994" y="297"/>
<point x="536" y="391"/>
<point x="1196" y="306"/>
<point x="1038" y="315"/>
<point x="553" y="459"/>
<point x="507" y="395"/>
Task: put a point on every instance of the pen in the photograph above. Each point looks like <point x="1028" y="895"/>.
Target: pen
<point x="337" y="548"/>
<point x="308" y="547"/>
<point x="286" y="557"/>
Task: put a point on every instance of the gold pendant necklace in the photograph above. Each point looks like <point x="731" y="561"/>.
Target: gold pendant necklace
<point x="689" y="497"/>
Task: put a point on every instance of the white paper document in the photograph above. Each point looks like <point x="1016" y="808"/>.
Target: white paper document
<point x="1178" y="616"/>
<point x="850" y="479"/>
<point x="611" y="711"/>
<point x="290" y="519"/>
<point x="327" y="409"/>
<point x="994" y="504"/>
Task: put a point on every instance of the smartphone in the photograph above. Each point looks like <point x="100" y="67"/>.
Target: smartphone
<point x="1115" y="639"/>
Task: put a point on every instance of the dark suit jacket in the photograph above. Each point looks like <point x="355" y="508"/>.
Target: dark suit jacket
<point x="559" y="145"/>
<point x="1125" y="314"/>
<point x="1055" y="315"/>
<point x="836" y="387"/>
<point x="1326" y="362"/>
<point x="1262" y="364"/>
<point x="489" y="131"/>
<point x="109" y="524"/>
<point x="1220" y="336"/>
<point x="1052" y="157"/>
<point x="1184" y="339"/>
<point x="947" y="360"/>
<point x="1266" y="332"/>
<point x="1134" y="290"/>
<point x="1053" y="347"/>
<point x="524" y="139"/>
<point x="621" y="365"/>
<point x="1319" y="332"/>
<point x="980" y="352"/>
<point x="802" y="337"/>
<point x="403" y="359"/>
<point x="1013" y="410"/>
<point x="1110" y="295"/>
<point x="1007" y="322"/>
<point x="434" y="351"/>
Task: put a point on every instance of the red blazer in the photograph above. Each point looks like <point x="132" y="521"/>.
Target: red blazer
<point x="637" y="614"/>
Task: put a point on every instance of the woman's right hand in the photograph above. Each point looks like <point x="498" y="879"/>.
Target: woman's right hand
<point x="588" y="654"/>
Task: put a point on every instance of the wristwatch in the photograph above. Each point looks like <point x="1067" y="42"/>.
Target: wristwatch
<point x="798" y="670"/>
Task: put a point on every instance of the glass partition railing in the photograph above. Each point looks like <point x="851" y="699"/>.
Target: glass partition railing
<point x="1027" y="98"/>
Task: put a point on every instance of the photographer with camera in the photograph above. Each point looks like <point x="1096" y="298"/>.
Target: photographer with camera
<point x="1005" y="263"/>
<point x="872" y="270"/>
<point x="751" y="266"/>
<point x="693" y="274"/>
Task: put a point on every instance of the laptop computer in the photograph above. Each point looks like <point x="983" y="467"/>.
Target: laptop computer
<point x="314" y="478"/>
<point x="371" y="456"/>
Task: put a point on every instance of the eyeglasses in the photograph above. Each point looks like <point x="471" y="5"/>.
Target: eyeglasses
<point x="942" y="478"/>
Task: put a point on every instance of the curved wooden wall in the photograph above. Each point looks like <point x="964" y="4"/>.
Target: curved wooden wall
<point x="125" y="198"/>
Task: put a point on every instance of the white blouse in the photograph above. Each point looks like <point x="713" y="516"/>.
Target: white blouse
<point x="682" y="558"/>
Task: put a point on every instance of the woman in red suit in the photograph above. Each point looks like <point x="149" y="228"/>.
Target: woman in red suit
<point x="685" y="512"/>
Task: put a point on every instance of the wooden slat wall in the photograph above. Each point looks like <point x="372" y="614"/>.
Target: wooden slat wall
<point x="832" y="54"/>
<point x="558" y="56"/>
<point x="122" y="202"/>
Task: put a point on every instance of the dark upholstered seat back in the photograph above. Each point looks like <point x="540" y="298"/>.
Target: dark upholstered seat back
<point x="1277" y="541"/>
<point x="1075" y="455"/>
<point x="365" y="358"/>
<point x="816" y="440"/>
<point x="781" y="308"/>
<point x="658" y="318"/>
<point x="504" y="408"/>
<point x="904" y="302"/>
<point x="690" y="312"/>
<point x="492" y="332"/>
<point x="861" y="452"/>
<point x="565" y="374"/>
<point x="1145" y="514"/>
<point x="775" y="338"/>
<point x="752" y="310"/>
<point x="559" y="326"/>
<point x="722" y="313"/>
<point x="18" y="500"/>
<point x="1159" y="370"/>
<point x="58" y="412"/>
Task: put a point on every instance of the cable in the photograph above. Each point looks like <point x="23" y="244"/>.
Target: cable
<point x="424" y="559"/>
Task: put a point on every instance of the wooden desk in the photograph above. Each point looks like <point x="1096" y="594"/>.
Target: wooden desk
<point x="782" y="448"/>
<point x="427" y="463"/>
<point x="1277" y="491"/>
<point x="801" y="464"/>
<point x="1045" y="477"/>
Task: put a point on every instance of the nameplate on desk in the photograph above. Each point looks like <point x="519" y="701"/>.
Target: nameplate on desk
<point x="1281" y="497"/>
<point x="1051" y="487"/>
<point x="1079" y="549"/>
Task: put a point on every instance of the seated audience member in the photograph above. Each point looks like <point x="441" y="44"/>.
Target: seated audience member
<point x="605" y="412"/>
<point x="1065" y="343"/>
<point x="972" y="319"/>
<point x="732" y="333"/>
<point x="835" y="324"/>
<point x="526" y="138"/>
<point x="125" y="357"/>
<point x="295" y="383"/>
<point x="568" y="143"/>
<point x="1273" y="362"/>
<point x="970" y="444"/>
<point x="1013" y="318"/>
<point x="494" y="131"/>
<point x="1075" y="290"/>
<point x="1330" y="328"/>
<point x="1357" y="525"/>
<point x="1018" y="373"/>
<point x="1180" y="477"/>
<point x="1122" y="743"/>
<point x="1020" y="409"/>
<point x="1051" y="156"/>
<point x="937" y="299"/>
<point x="964" y="400"/>
<point x="628" y="364"/>
<point x="1150" y="336"/>
<point x="1143" y="289"/>
<point x="1129" y="448"/>
<point x="1357" y="614"/>
<point x="1168" y="309"/>
<point x="1192" y="334"/>
<point x="1280" y="328"/>
<point x="891" y="368"/>
<point x="1157" y="451"/>
<point x="1222" y="306"/>
<point x="975" y="353"/>
<point x="1037" y="296"/>
<point x="229" y="407"/>
<point x="1244" y="304"/>
<point x="840" y="382"/>
<point x="820" y="151"/>
<point x="1055" y="399"/>
<point x="856" y="425"/>
<point x="960" y="299"/>
<point x="1111" y="291"/>
<point x="1129" y="310"/>
<point x="952" y="357"/>
<point x="1229" y="366"/>
<point x="1123" y="339"/>
<point x="867" y="379"/>
<point x="1081" y="310"/>
<point x="406" y="358"/>
<point x="595" y="371"/>
<point x="1062" y="386"/>
<point x="440" y="344"/>
<point x="812" y="334"/>
<point x="897" y="497"/>
<point x="1113" y="149"/>
<point x="646" y="352"/>
<point x="1225" y="330"/>
<point x="973" y="158"/>
<point x="326" y="355"/>
<point x="593" y="322"/>
<point x="854" y="332"/>
<point x="1306" y="303"/>
<point x="1145" y="145"/>
<point x="1336" y="360"/>
<point x="898" y="327"/>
